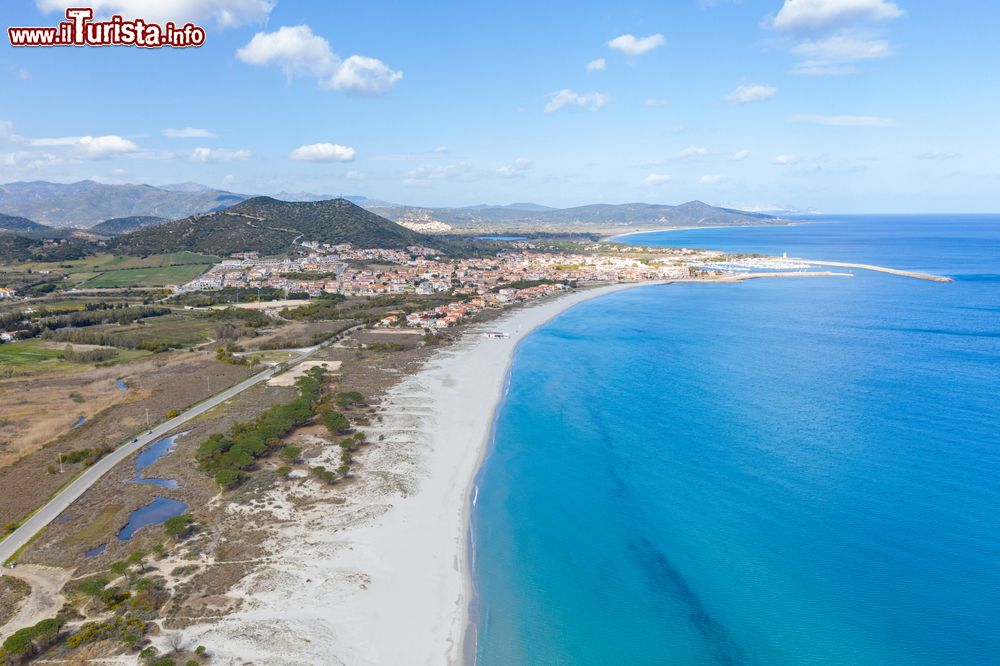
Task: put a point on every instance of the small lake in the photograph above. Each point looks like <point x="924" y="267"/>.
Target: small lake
<point x="155" y="451"/>
<point x="122" y="386"/>
<point x="156" y="512"/>
<point x="94" y="552"/>
<point x="79" y="422"/>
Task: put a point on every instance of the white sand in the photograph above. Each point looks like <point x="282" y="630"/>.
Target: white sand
<point x="288" y="378"/>
<point x="382" y="577"/>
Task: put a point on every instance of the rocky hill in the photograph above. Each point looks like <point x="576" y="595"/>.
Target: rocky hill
<point x="270" y="227"/>
<point x="126" y="225"/>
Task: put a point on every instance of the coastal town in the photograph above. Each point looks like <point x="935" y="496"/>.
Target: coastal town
<point x="520" y="274"/>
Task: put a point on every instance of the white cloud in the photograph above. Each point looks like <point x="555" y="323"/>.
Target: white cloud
<point x="786" y="160"/>
<point x="816" y="15"/>
<point x="295" y="49"/>
<point x="364" y="76"/>
<point x="188" y="133"/>
<point x="709" y="179"/>
<point x="441" y="149"/>
<point x="355" y="175"/>
<point x="225" y="13"/>
<point x="90" y="147"/>
<point x="656" y="103"/>
<point x="591" y="101"/>
<point x="322" y="152"/>
<point x="100" y="147"/>
<point x="831" y="36"/>
<point x="7" y="133"/>
<point x="19" y="72"/>
<point x="212" y="155"/>
<point x="654" y="179"/>
<point x="741" y="155"/>
<point x="843" y="121"/>
<point x="300" y="52"/>
<point x="28" y="159"/>
<point x="426" y="175"/>
<point x="836" y="54"/>
<point x="692" y="151"/>
<point x="634" y="46"/>
<point x="937" y="155"/>
<point x="517" y="169"/>
<point x="751" y="92"/>
<point x="597" y="65"/>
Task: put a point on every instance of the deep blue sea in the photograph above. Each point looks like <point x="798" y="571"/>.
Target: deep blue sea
<point x="800" y="471"/>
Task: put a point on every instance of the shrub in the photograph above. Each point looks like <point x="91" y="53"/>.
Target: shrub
<point x="290" y="453"/>
<point x="336" y="422"/>
<point x="178" y="527"/>
<point x="351" y="399"/>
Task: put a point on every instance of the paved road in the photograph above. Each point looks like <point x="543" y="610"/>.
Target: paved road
<point x="90" y="476"/>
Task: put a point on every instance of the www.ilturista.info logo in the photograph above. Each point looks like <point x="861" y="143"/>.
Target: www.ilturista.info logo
<point x="79" y="29"/>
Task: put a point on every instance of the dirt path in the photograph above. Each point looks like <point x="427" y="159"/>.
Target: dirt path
<point x="45" y="599"/>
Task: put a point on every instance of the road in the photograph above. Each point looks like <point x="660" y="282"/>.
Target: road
<point x="26" y="532"/>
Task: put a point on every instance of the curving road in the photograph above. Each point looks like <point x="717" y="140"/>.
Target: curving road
<point x="27" y="531"/>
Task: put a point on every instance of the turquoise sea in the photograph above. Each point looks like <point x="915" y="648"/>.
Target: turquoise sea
<point x="777" y="472"/>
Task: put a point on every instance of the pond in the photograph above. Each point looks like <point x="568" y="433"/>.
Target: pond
<point x="155" y="451"/>
<point x="156" y="512"/>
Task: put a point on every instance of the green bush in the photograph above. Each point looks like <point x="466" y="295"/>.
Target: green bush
<point x="178" y="527"/>
<point x="229" y="457"/>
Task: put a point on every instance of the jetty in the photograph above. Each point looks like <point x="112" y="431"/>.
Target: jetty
<point x="879" y="269"/>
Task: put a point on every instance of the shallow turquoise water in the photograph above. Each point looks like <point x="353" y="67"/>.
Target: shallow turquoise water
<point x="776" y="472"/>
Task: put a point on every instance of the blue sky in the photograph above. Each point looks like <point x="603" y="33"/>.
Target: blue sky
<point x="833" y="105"/>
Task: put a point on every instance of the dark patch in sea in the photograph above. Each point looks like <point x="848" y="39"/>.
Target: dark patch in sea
<point x="672" y="584"/>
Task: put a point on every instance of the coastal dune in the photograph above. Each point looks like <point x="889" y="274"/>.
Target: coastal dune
<point x="382" y="578"/>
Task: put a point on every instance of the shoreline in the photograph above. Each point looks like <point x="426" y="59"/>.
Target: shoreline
<point x="788" y="223"/>
<point x="384" y="574"/>
<point x="552" y="309"/>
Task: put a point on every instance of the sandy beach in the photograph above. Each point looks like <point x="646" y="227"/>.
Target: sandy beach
<point x="380" y="576"/>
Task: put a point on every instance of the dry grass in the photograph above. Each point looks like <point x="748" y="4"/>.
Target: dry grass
<point x="97" y="531"/>
<point x="13" y="592"/>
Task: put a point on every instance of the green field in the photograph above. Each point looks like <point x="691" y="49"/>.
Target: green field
<point x="175" y="329"/>
<point x="28" y="353"/>
<point x="103" y="271"/>
<point x="145" y="277"/>
<point x="39" y="356"/>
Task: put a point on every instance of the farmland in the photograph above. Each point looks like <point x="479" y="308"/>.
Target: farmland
<point x="145" y="277"/>
<point x="103" y="271"/>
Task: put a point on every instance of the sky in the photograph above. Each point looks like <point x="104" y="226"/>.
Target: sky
<point x="809" y="105"/>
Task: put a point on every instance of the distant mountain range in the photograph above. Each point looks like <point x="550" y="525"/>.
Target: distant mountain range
<point x="581" y="218"/>
<point x="86" y="203"/>
<point x="269" y="226"/>
<point x="34" y="208"/>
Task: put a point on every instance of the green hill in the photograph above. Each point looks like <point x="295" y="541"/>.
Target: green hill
<point x="269" y="226"/>
<point x="20" y="225"/>
<point x="15" y="248"/>
<point x="125" y="225"/>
